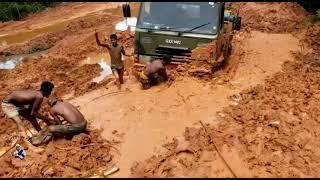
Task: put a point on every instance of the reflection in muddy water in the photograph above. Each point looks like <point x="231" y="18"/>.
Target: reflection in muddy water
<point x="20" y="37"/>
<point x="27" y="35"/>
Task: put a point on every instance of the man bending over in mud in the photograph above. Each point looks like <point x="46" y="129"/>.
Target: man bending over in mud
<point x="76" y="123"/>
<point x="147" y="76"/>
<point x="115" y="50"/>
<point x="26" y="103"/>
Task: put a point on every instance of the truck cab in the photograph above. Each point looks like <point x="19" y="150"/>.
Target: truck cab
<point x="176" y="28"/>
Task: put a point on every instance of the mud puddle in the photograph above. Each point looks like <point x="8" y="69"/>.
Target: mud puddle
<point x="11" y="62"/>
<point x="144" y="120"/>
<point x="104" y="61"/>
<point x="27" y="35"/>
<point x="22" y="36"/>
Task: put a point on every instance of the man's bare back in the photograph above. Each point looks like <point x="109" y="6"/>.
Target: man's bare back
<point x="154" y="67"/>
<point x="77" y="123"/>
<point x="68" y="112"/>
<point x="12" y="106"/>
<point x="26" y="97"/>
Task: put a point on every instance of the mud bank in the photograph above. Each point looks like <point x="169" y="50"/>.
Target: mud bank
<point x="83" y="156"/>
<point x="271" y="130"/>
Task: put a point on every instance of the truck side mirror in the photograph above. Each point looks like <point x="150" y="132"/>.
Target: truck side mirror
<point x="126" y="10"/>
<point x="237" y="23"/>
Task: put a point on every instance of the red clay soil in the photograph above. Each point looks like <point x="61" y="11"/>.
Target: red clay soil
<point x="271" y="17"/>
<point x="45" y="41"/>
<point x="313" y="37"/>
<point x="83" y="156"/>
<point x="61" y="65"/>
<point x="290" y="97"/>
<point x="273" y="128"/>
<point x="207" y="70"/>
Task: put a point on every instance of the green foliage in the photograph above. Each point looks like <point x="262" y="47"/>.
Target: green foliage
<point x="18" y="10"/>
<point x="314" y="19"/>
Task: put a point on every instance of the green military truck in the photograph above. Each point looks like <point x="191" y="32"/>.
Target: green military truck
<point x="176" y="28"/>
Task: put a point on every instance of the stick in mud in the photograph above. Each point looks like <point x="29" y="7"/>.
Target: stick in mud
<point x="111" y="171"/>
<point x="111" y="93"/>
<point x="13" y="144"/>
<point x="215" y="146"/>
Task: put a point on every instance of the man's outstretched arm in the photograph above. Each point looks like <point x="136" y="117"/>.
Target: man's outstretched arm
<point x="99" y="43"/>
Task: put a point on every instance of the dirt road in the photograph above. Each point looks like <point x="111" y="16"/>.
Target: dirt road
<point x="267" y="131"/>
<point x="140" y="122"/>
<point x="147" y="119"/>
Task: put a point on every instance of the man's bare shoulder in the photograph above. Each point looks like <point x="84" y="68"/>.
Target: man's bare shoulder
<point x="37" y="94"/>
<point x="27" y="92"/>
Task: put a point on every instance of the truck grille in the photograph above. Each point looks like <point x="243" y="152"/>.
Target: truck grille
<point x="179" y="54"/>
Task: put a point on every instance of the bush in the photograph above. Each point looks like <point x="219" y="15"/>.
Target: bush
<point x="18" y="10"/>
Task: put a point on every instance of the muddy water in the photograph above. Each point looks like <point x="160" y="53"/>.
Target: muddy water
<point x="97" y="58"/>
<point x="11" y="62"/>
<point x="144" y="120"/>
<point x="104" y="61"/>
<point x="27" y="35"/>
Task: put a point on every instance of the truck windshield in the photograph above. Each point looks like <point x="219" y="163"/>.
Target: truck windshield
<point x="180" y="16"/>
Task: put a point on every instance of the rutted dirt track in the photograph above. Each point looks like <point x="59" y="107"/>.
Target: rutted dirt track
<point x="272" y="123"/>
<point x="270" y="131"/>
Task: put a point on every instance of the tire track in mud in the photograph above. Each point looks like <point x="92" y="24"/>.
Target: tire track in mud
<point x="143" y="120"/>
<point x="253" y="145"/>
<point x="147" y="119"/>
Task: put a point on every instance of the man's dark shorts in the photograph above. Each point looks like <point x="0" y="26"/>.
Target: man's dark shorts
<point x="68" y="129"/>
<point x="45" y="136"/>
<point x="118" y="69"/>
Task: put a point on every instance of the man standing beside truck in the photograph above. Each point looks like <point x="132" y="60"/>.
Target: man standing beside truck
<point x="115" y="50"/>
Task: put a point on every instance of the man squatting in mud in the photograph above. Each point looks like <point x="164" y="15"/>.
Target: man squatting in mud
<point x="26" y="103"/>
<point x="76" y="122"/>
<point x="115" y="50"/>
<point x="147" y="76"/>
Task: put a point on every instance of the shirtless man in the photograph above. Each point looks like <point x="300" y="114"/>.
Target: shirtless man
<point x="26" y="104"/>
<point x="115" y="50"/>
<point x="75" y="122"/>
<point x="147" y="76"/>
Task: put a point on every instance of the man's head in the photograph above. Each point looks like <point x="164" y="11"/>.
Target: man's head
<point x="166" y="59"/>
<point x="52" y="101"/>
<point x="46" y="88"/>
<point x="114" y="39"/>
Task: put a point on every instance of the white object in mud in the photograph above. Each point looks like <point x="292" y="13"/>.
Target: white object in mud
<point x="128" y="22"/>
<point x="10" y="64"/>
<point x="111" y="171"/>
<point x="106" y="70"/>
